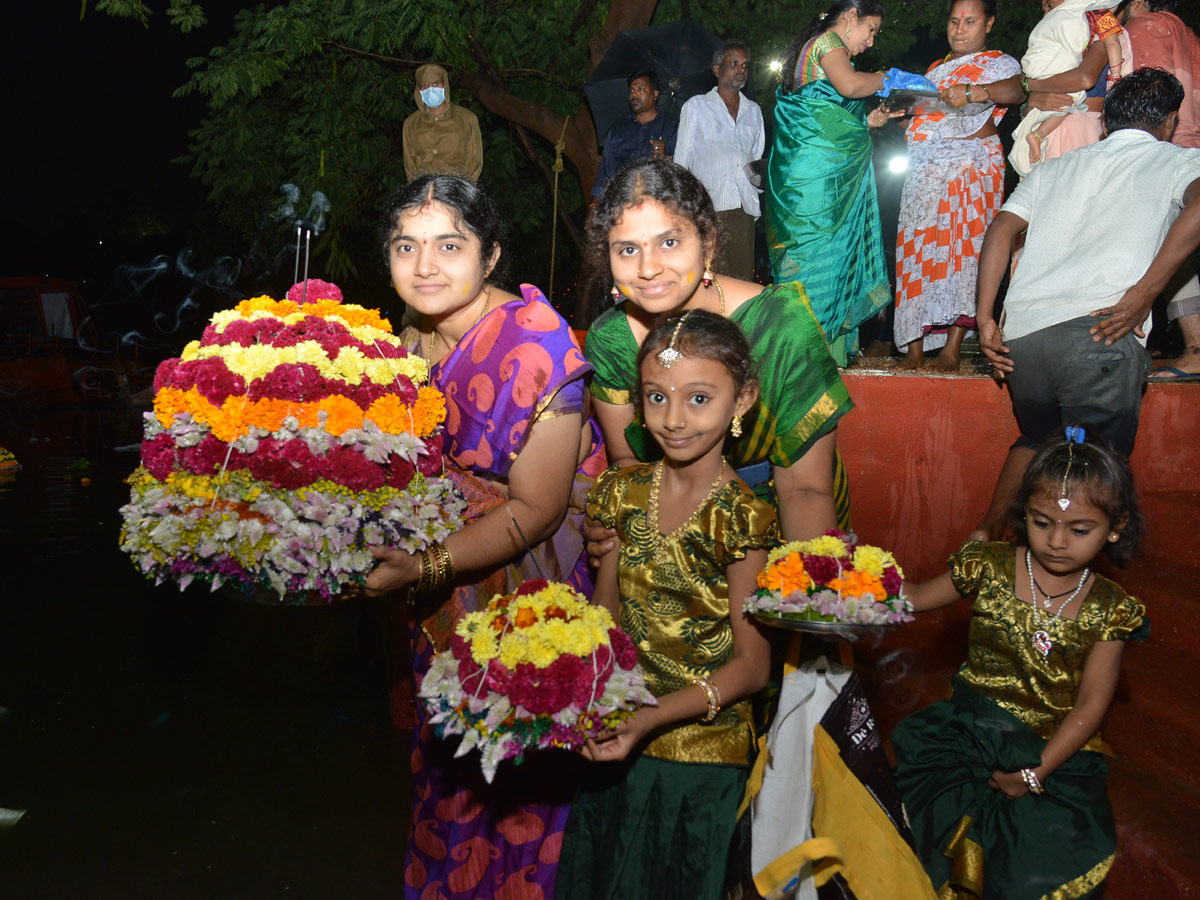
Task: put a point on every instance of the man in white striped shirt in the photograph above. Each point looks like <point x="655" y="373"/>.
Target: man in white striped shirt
<point x="719" y="132"/>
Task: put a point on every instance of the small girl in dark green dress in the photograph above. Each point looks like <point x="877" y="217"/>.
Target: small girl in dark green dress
<point x="1004" y="783"/>
<point x="659" y="818"/>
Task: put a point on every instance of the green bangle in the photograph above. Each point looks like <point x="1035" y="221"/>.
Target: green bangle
<point x="1025" y="83"/>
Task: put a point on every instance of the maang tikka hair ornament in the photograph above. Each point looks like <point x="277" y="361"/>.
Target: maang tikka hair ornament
<point x="669" y="355"/>
<point x="1075" y="435"/>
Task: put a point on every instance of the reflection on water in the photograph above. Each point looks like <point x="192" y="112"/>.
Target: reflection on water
<point x="173" y="744"/>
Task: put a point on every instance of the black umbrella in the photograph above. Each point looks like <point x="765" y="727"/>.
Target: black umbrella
<point x="679" y="53"/>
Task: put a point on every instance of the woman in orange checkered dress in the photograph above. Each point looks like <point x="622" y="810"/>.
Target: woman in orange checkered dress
<point x="954" y="188"/>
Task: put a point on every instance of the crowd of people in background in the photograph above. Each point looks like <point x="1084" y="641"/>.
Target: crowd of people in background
<point x="697" y="429"/>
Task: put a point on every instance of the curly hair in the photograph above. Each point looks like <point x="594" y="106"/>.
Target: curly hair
<point x="469" y="205"/>
<point x="705" y="335"/>
<point x="663" y="181"/>
<point x="1092" y="471"/>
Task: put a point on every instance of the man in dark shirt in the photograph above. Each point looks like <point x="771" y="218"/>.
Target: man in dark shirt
<point x="643" y="134"/>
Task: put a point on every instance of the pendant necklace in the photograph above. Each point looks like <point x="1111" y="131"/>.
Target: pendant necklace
<point x="435" y="335"/>
<point x="1041" y="637"/>
<point x="659" y="541"/>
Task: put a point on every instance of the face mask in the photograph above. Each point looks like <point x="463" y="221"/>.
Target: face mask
<point x="433" y="97"/>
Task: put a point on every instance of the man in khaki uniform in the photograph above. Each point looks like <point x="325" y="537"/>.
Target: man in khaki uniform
<point x="440" y="137"/>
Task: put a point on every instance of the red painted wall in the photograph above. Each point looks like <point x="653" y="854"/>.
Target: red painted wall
<point x="923" y="453"/>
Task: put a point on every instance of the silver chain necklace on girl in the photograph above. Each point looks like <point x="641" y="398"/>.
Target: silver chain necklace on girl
<point x="1041" y="637"/>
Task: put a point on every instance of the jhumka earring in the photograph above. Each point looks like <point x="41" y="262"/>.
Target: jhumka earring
<point x="669" y="355"/>
<point x="735" y="427"/>
<point x="707" y="278"/>
<point x="616" y="294"/>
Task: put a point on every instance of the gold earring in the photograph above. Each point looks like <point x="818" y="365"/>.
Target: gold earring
<point x="707" y="278"/>
<point x="616" y="294"/>
<point x="1114" y="537"/>
<point x="735" y="427"/>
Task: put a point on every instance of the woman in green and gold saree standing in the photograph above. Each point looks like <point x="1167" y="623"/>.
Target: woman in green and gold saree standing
<point x="656" y="231"/>
<point x="823" y="226"/>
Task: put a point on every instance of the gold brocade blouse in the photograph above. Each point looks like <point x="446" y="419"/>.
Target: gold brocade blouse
<point x="677" y="613"/>
<point x="1002" y="661"/>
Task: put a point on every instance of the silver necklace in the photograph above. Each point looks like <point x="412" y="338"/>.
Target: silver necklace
<point x="1041" y="637"/>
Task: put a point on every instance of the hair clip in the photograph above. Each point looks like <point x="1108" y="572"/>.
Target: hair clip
<point x="668" y="355"/>
<point x="1075" y="434"/>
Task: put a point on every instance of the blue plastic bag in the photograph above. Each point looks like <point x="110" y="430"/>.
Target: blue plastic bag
<point x="898" y="79"/>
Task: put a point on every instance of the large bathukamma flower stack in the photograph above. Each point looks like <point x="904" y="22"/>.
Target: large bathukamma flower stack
<point x="290" y="439"/>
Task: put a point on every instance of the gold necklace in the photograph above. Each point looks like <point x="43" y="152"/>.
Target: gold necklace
<point x="661" y="542"/>
<point x="435" y="335"/>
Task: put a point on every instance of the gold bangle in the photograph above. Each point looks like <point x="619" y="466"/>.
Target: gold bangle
<point x="710" y="693"/>
<point x="424" y="581"/>
<point x="445" y="563"/>
<point x="969" y="100"/>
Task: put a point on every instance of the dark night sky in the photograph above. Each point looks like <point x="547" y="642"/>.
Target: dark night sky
<point x="90" y="132"/>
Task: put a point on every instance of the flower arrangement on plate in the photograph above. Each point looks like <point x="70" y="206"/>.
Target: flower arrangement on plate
<point x="290" y="439"/>
<point x="830" y="583"/>
<point x="536" y="669"/>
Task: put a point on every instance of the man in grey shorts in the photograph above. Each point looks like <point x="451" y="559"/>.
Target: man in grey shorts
<point x="1104" y="234"/>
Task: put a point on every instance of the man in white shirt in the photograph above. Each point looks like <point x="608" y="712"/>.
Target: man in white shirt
<point x="719" y="132"/>
<point x="1105" y="234"/>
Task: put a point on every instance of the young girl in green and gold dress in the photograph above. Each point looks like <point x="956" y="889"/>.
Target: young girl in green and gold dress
<point x="1004" y="783"/>
<point x="659" y="819"/>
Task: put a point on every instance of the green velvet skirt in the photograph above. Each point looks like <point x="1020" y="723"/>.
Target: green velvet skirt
<point x="976" y="842"/>
<point x="651" y="828"/>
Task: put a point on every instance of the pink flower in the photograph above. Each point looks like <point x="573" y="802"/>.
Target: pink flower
<point x="286" y="464"/>
<point x="821" y="569"/>
<point x="212" y="379"/>
<point x="317" y="290"/>
<point x="164" y="375"/>
<point x="545" y="691"/>
<point x="399" y="472"/>
<point x="205" y="458"/>
<point x="349" y="467"/>
<point x="431" y="462"/>
<point x="299" y="382"/>
<point x="623" y="648"/>
<point x="158" y="456"/>
<point x="892" y="582"/>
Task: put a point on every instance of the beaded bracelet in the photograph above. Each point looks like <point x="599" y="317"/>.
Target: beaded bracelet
<point x="1032" y="782"/>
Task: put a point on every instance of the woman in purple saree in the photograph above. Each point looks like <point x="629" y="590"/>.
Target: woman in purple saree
<point x="522" y="448"/>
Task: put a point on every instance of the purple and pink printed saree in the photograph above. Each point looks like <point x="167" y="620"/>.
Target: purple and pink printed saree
<point x="519" y="364"/>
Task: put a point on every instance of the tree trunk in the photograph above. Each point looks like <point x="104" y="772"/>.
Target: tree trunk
<point x="579" y="140"/>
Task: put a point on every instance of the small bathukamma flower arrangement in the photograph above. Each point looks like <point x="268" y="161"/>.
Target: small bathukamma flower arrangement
<point x="536" y="669"/>
<point x="830" y="580"/>
<point x="290" y="439"/>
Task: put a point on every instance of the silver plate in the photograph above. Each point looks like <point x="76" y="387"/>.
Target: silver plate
<point x="847" y="631"/>
<point x="923" y="103"/>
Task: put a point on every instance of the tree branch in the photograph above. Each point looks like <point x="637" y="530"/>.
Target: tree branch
<point x="623" y="15"/>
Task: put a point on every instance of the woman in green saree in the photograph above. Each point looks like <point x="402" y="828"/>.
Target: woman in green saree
<point x="823" y="225"/>
<point x="656" y="231"/>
